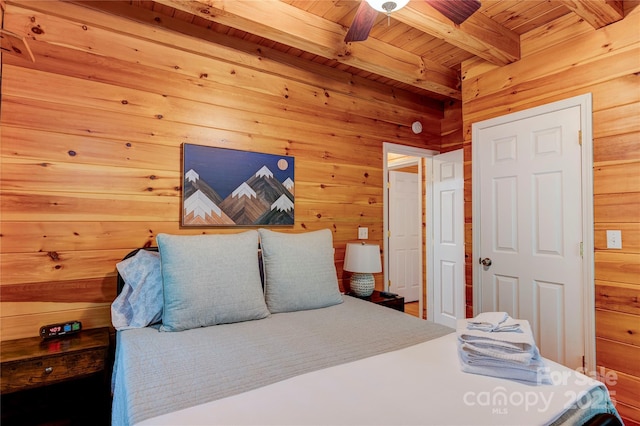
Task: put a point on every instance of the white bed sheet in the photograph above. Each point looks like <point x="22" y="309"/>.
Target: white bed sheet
<point x="418" y="385"/>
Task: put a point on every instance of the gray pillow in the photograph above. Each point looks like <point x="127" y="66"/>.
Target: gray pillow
<point x="299" y="270"/>
<point x="210" y="279"/>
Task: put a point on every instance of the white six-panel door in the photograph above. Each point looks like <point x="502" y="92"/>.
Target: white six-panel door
<point x="531" y="227"/>
<point x="448" y="238"/>
<point x="404" y="226"/>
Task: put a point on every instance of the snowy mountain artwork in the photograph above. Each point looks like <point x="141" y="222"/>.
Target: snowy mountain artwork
<point x="228" y="187"/>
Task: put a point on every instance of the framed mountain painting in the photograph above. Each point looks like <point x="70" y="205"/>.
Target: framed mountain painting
<point x="228" y="187"/>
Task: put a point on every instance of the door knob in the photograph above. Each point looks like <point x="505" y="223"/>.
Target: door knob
<point x="485" y="262"/>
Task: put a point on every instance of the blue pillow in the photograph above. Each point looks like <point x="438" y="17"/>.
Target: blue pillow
<point x="140" y="302"/>
<point x="299" y="270"/>
<point x="210" y="279"/>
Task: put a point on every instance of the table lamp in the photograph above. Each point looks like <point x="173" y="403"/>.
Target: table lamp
<point x="363" y="260"/>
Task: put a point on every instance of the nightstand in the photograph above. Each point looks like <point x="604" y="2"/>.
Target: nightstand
<point x="396" y="303"/>
<point x="32" y="362"/>
<point x="61" y="380"/>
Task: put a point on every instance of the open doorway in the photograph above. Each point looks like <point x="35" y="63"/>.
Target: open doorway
<point x="424" y="230"/>
<point x="405" y="261"/>
<point x="406" y="215"/>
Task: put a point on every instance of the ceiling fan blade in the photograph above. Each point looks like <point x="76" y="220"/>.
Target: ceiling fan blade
<point x="456" y="10"/>
<point x="362" y="23"/>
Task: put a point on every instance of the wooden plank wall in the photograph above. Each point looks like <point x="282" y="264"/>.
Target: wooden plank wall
<point x="91" y="146"/>
<point x="564" y="59"/>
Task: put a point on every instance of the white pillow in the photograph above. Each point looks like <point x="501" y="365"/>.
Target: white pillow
<point x="299" y="270"/>
<point x="140" y="302"/>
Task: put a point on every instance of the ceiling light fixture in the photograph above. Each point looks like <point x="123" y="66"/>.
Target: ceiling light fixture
<point x="386" y="6"/>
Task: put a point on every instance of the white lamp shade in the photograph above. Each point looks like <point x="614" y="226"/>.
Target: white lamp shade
<point x="391" y="6"/>
<point x="362" y="258"/>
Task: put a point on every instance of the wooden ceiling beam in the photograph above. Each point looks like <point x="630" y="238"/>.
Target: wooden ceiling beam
<point x="294" y="27"/>
<point x="15" y="44"/>
<point x="478" y="34"/>
<point x="332" y="79"/>
<point x="598" y="13"/>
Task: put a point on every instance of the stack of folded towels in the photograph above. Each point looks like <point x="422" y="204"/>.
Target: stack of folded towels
<point x="494" y="344"/>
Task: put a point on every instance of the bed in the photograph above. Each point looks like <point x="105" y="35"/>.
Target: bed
<point x="289" y="349"/>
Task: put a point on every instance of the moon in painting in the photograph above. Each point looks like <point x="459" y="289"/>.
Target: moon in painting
<point x="283" y="164"/>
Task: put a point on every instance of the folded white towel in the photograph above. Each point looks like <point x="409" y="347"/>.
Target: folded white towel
<point x="495" y="318"/>
<point x="522" y="338"/>
<point x="493" y="328"/>
<point x="473" y="352"/>
<point x="537" y="373"/>
<point x="508" y="347"/>
<point x="494" y="344"/>
<point x="488" y="321"/>
<point x="493" y="321"/>
<point x="495" y="352"/>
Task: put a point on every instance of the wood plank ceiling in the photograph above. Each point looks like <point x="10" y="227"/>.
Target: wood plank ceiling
<point x="416" y="48"/>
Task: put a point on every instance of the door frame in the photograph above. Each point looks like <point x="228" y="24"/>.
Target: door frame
<point x="588" y="284"/>
<point x="425" y="154"/>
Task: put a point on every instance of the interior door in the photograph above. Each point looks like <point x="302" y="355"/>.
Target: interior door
<point x="404" y="224"/>
<point x="531" y="227"/>
<point x="448" y="238"/>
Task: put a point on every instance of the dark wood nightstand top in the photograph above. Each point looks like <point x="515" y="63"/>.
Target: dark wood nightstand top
<point x="33" y="362"/>
<point x="396" y="303"/>
<point x="36" y="347"/>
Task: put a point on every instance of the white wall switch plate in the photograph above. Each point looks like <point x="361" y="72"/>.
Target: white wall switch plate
<point x="363" y="233"/>
<point x="614" y="239"/>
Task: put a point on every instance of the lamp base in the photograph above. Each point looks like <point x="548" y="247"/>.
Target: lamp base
<point x="362" y="284"/>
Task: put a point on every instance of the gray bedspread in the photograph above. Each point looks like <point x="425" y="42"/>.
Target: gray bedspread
<point x="160" y="372"/>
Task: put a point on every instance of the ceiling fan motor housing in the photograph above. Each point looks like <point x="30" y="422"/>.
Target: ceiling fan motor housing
<point x="456" y="10"/>
<point x="387" y="6"/>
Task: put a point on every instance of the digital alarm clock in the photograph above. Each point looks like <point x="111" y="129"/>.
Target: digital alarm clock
<point x="61" y="329"/>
